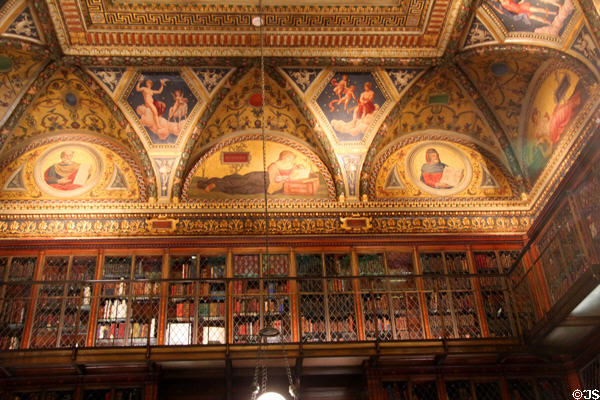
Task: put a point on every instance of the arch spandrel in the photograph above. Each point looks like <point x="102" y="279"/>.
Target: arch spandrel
<point x="240" y="110"/>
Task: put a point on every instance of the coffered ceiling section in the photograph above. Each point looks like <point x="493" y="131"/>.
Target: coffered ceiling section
<point x="382" y="28"/>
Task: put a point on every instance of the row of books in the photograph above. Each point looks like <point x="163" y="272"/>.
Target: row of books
<point x="9" y="342"/>
<point x="245" y="287"/>
<point x="116" y="330"/>
<point x="212" y="309"/>
<point x="339" y="285"/>
<point x="249" y="328"/>
<point x="113" y="309"/>
<point x="21" y="269"/>
<point x="310" y="325"/>
<point x="246" y="306"/>
<point x="342" y="325"/>
<point x="13" y="312"/>
<point x="456" y="263"/>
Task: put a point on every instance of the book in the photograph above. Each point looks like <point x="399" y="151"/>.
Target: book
<point x="451" y="176"/>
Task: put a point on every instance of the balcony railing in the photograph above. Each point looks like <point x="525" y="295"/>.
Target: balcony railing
<point x="210" y="311"/>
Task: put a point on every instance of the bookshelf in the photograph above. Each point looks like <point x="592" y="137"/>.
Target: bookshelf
<point x="197" y="300"/>
<point x="130" y="301"/>
<point x="44" y="395"/>
<point x="588" y="202"/>
<point x="255" y="302"/>
<point x="562" y="257"/>
<point x="311" y="293"/>
<point x="451" y="302"/>
<point x="62" y="311"/>
<point x="494" y="293"/>
<point x="406" y="303"/>
<point x="326" y="298"/>
<point x="410" y="390"/>
<point x="15" y="297"/>
<point x="113" y="394"/>
<point x="390" y="306"/>
<point x="473" y="390"/>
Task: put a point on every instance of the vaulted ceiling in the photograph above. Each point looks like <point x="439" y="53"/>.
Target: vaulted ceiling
<point x="418" y="116"/>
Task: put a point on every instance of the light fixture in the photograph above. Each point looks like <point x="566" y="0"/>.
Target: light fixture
<point x="260" y="391"/>
<point x="259" y="383"/>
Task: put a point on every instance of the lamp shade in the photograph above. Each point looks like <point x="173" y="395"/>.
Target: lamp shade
<point x="270" y="396"/>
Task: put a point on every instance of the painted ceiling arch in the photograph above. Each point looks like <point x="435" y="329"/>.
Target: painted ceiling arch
<point x="468" y="81"/>
<point x="435" y="101"/>
<point x="240" y="109"/>
<point x="73" y="166"/>
<point x="432" y="167"/>
<point x="232" y="171"/>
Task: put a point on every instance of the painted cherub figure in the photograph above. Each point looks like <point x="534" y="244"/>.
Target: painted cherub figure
<point x="178" y="110"/>
<point x="340" y="87"/>
<point x="345" y="100"/>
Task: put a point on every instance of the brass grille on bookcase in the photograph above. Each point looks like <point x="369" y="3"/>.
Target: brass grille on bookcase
<point x="396" y="390"/>
<point x="439" y="313"/>
<point x="182" y="295"/>
<point x="15" y="297"/>
<point x="521" y="389"/>
<point x="45" y="395"/>
<point x="406" y="304"/>
<point x="551" y="389"/>
<point x="405" y="390"/>
<point x="246" y="298"/>
<point x="340" y="298"/>
<point x="590" y="374"/>
<point x="128" y="394"/>
<point x="312" y="299"/>
<point x="494" y="293"/>
<point x="424" y="390"/>
<point x="562" y="257"/>
<point x="113" y="310"/>
<point x="524" y="300"/>
<point x="459" y="390"/>
<point x="97" y="394"/>
<point x="487" y="390"/>
<point x="374" y="300"/>
<point x="407" y="320"/>
<point x="211" y="300"/>
<point x="46" y="321"/>
<point x="276" y="295"/>
<point x="145" y="301"/>
<point x="464" y="308"/>
<point x="76" y="316"/>
<point x="589" y="201"/>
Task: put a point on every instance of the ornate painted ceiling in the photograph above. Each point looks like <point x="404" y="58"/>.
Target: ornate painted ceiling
<point x="121" y="118"/>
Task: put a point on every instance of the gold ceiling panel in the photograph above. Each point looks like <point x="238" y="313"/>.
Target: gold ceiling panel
<point x="103" y="27"/>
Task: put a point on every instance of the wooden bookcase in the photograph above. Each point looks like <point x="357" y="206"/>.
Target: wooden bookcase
<point x="494" y="290"/>
<point x="15" y="299"/>
<point x="327" y="302"/>
<point x="260" y="296"/>
<point x="62" y="311"/>
<point x="128" y="309"/>
<point x="390" y="302"/>
<point x="196" y="310"/>
<point x="450" y="295"/>
<point x="205" y="298"/>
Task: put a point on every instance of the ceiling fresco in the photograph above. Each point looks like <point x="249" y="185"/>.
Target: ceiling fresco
<point x="225" y="28"/>
<point x="129" y="118"/>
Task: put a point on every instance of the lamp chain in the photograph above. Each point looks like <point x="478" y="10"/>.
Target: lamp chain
<point x="264" y="138"/>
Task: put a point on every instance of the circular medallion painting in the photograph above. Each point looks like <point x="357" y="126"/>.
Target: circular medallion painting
<point x="68" y="170"/>
<point x="439" y="168"/>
